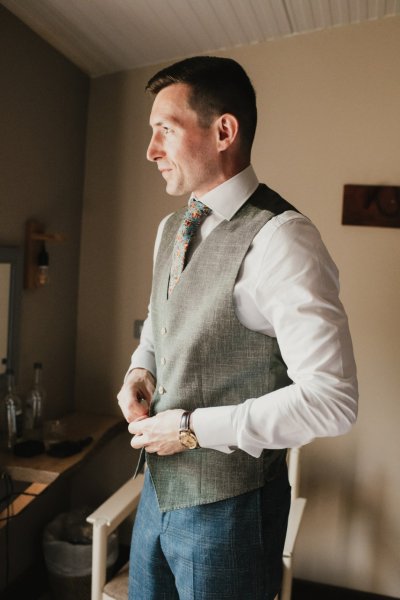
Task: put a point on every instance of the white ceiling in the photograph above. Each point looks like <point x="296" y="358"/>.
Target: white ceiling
<point x="106" y="36"/>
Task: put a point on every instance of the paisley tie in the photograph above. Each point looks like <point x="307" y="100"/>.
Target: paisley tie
<point x="194" y="215"/>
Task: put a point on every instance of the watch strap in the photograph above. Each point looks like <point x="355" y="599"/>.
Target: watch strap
<point x="185" y="421"/>
<point x="187" y="437"/>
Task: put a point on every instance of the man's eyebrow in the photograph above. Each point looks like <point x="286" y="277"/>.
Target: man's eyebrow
<point x="165" y="120"/>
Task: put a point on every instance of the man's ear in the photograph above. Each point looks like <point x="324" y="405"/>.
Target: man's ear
<point x="227" y="130"/>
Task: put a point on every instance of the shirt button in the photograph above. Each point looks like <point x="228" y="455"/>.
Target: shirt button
<point x="161" y="390"/>
<point x="163" y="330"/>
<point x="163" y="361"/>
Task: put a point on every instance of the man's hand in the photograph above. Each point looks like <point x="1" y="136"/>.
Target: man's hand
<point x="135" y="395"/>
<point x="158" y="434"/>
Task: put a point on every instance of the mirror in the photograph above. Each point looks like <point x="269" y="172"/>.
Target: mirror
<point x="10" y="301"/>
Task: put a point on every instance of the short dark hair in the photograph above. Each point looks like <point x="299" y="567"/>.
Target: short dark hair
<point x="218" y="86"/>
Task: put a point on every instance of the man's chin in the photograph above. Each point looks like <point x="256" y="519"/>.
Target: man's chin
<point x="173" y="190"/>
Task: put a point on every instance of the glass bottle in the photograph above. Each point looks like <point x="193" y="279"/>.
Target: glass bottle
<point x="3" y="377"/>
<point x="35" y="402"/>
<point x="13" y="412"/>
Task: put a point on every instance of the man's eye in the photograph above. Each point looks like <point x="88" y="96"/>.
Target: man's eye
<point x="167" y="130"/>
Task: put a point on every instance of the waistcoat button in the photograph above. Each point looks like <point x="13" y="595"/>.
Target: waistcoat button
<point x="161" y="390"/>
<point x="163" y="330"/>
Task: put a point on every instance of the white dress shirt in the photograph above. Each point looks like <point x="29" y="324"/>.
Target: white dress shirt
<point x="287" y="288"/>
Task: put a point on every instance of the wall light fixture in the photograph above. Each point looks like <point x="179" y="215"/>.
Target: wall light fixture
<point x="36" y="256"/>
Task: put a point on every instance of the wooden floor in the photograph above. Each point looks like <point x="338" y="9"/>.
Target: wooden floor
<point x="307" y="590"/>
<point x="302" y="590"/>
<point x="34" y="586"/>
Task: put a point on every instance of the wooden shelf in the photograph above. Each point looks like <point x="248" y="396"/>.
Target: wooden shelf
<point x="43" y="469"/>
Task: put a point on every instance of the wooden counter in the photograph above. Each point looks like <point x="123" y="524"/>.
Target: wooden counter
<point x="42" y="470"/>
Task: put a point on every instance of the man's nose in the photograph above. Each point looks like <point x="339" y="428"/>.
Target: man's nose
<point x="155" y="150"/>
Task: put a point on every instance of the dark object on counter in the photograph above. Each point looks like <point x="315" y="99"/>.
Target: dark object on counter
<point x="29" y="448"/>
<point x="68" y="447"/>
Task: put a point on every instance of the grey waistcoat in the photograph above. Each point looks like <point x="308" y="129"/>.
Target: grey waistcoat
<point x="206" y="357"/>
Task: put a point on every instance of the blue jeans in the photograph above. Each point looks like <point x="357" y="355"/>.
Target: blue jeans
<point x="227" y="550"/>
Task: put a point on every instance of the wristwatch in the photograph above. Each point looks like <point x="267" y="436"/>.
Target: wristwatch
<point x="186" y="436"/>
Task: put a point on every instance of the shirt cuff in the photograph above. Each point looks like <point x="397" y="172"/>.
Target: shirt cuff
<point x="143" y="359"/>
<point x="214" y="429"/>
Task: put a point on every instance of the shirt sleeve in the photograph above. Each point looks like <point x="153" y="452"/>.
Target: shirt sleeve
<point x="297" y="294"/>
<point x="144" y="357"/>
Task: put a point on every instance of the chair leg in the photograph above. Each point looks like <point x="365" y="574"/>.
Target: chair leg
<point x="286" y="591"/>
<point x="99" y="559"/>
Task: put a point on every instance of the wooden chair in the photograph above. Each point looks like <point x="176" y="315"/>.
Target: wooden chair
<point x="124" y="501"/>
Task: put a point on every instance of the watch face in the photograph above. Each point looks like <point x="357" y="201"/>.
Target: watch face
<point x="188" y="439"/>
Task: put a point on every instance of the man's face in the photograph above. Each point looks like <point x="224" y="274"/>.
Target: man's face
<point x="186" y="154"/>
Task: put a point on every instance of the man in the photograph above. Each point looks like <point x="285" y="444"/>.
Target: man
<point x="245" y="352"/>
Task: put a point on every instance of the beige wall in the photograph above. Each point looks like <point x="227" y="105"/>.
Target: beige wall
<point x="43" y="106"/>
<point x="43" y="103"/>
<point x="329" y="115"/>
<point x="5" y="272"/>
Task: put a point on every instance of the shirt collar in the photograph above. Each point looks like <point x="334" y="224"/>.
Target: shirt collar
<point x="229" y="196"/>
